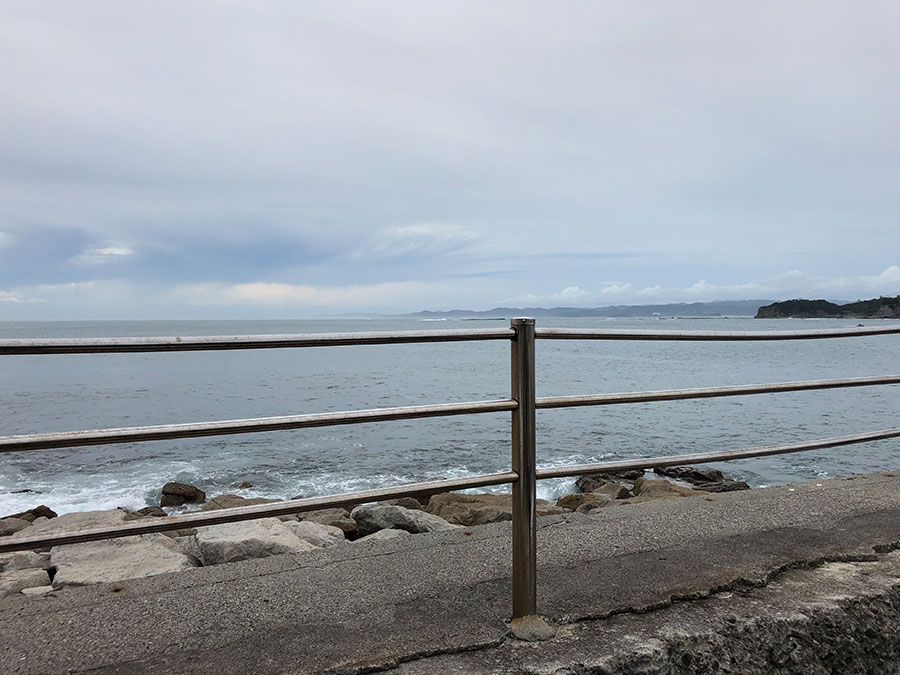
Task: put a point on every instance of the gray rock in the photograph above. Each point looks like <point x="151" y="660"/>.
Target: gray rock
<point x="21" y="560"/>
<point x="385" y="534"/>
<point x="230" y="501"/>
<point x="406" y="503"/>
<point x="75" y="522"/>
<point x="339" y="518"/>
<point x="178" y="494"/>
<point x="37" y="591"/>
<point x="111" y="560"/>
<point x="614" y="490"/>
<point x="480" y="509"/>
<point x="316" y="534"/>
<point x="191" y="548"/>
<point x="374" y="517"/>
<point x="248" y="539"/>
<point x="10" y="526"/>
<point x="15" y="581"/>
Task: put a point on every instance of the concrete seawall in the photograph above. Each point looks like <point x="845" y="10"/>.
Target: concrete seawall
<point x="794" y="579"/>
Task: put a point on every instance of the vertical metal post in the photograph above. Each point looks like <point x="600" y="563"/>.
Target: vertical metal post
<point x="524" y="521"/>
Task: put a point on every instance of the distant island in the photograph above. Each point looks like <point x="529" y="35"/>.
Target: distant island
<point x="680" y="309"/>
<point x="877" y="308"/>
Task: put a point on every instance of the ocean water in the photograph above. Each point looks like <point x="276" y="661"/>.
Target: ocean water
<point x="72" y="392"/>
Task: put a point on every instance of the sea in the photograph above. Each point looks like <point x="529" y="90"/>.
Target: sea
<point x="74" y="392"/>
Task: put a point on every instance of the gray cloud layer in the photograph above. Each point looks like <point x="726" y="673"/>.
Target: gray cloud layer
<point x="212" y="157"/>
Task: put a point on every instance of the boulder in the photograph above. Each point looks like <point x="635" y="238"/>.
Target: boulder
<point x="21" y="560"/>
<point x="373" y="517"/>
<point x="230" y="501"/>
<point x="385" y="534"/>
<point x="111" y="560"/>
<point x="406" y="503"/>
<point x="261" y="538"/>
<point x="17" y="580"/>
<point x="614" y="490"/>
<point x="480" y="509"/>
<point x="74" y="522"/>
<point x="10" y="526"/>
<point x="708" y="480"/>
<point x="691" y="474"/>
<point x="37" y="512"/>
<point x="316" y="534"/>
<point x="592" y="481"/>
<point x="572" y="501"/>
<point x="661" y="489"/>
<point x="36" y="591"/>
<point x="179" y="494"/>
<point x="339" y="518"/>
<point x="154" y="511"/>
<point x="243" y="485"/>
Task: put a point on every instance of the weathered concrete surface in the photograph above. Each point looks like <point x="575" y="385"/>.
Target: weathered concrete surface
<point x="730" y="582"/>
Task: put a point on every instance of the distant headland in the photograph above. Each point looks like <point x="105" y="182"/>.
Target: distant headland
<point x="680" y="309"/>
<point x="877" y="308"/>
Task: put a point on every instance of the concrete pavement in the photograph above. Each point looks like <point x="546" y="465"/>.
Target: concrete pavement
<point x="439" y="601"/>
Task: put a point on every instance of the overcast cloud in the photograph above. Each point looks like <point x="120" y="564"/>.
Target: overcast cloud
<point x="192" y="159"/>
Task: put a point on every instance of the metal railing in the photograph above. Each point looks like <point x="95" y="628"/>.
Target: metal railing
<point x="522" y="404"/>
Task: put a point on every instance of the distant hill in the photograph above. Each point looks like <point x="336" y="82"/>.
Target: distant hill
<point x="680" y="309"/>
<point x="877" y="308"/>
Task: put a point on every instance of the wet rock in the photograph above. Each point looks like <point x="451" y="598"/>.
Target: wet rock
<point x="37" y="512"/>
<point x="111" y="560"/>
<point x="154" y="511"/>
<point x="179" y="494"/>
<point x="591" y="482"/>
<point x="691" y="474"/>
<point x="248" y="539"/>
<point x="17" y="580"/>
<point x="230" y="501"/>
<point x="10" y="526"/>
<point x="243" y="485"/>
<point x="373" y="517"/>
<point x="316" y="534"/>
<point x="572" y="501"/>
<point x="708" y="480"/>
<point x="480" y="509"/>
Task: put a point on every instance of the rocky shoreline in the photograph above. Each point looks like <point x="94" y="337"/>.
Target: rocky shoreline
<point x="41" y="573"/>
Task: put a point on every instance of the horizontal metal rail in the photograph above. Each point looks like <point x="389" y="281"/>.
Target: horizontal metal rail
<point x="710" y="336"/>
<point x="190" y="343"/>
<point x="70" y="439"/>
<point x="163" y="524"/>
<point x="708" y="392"/>
<point x="724" y="456"/>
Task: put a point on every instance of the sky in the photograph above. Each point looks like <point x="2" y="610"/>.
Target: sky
<point x="238" y="159"/>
